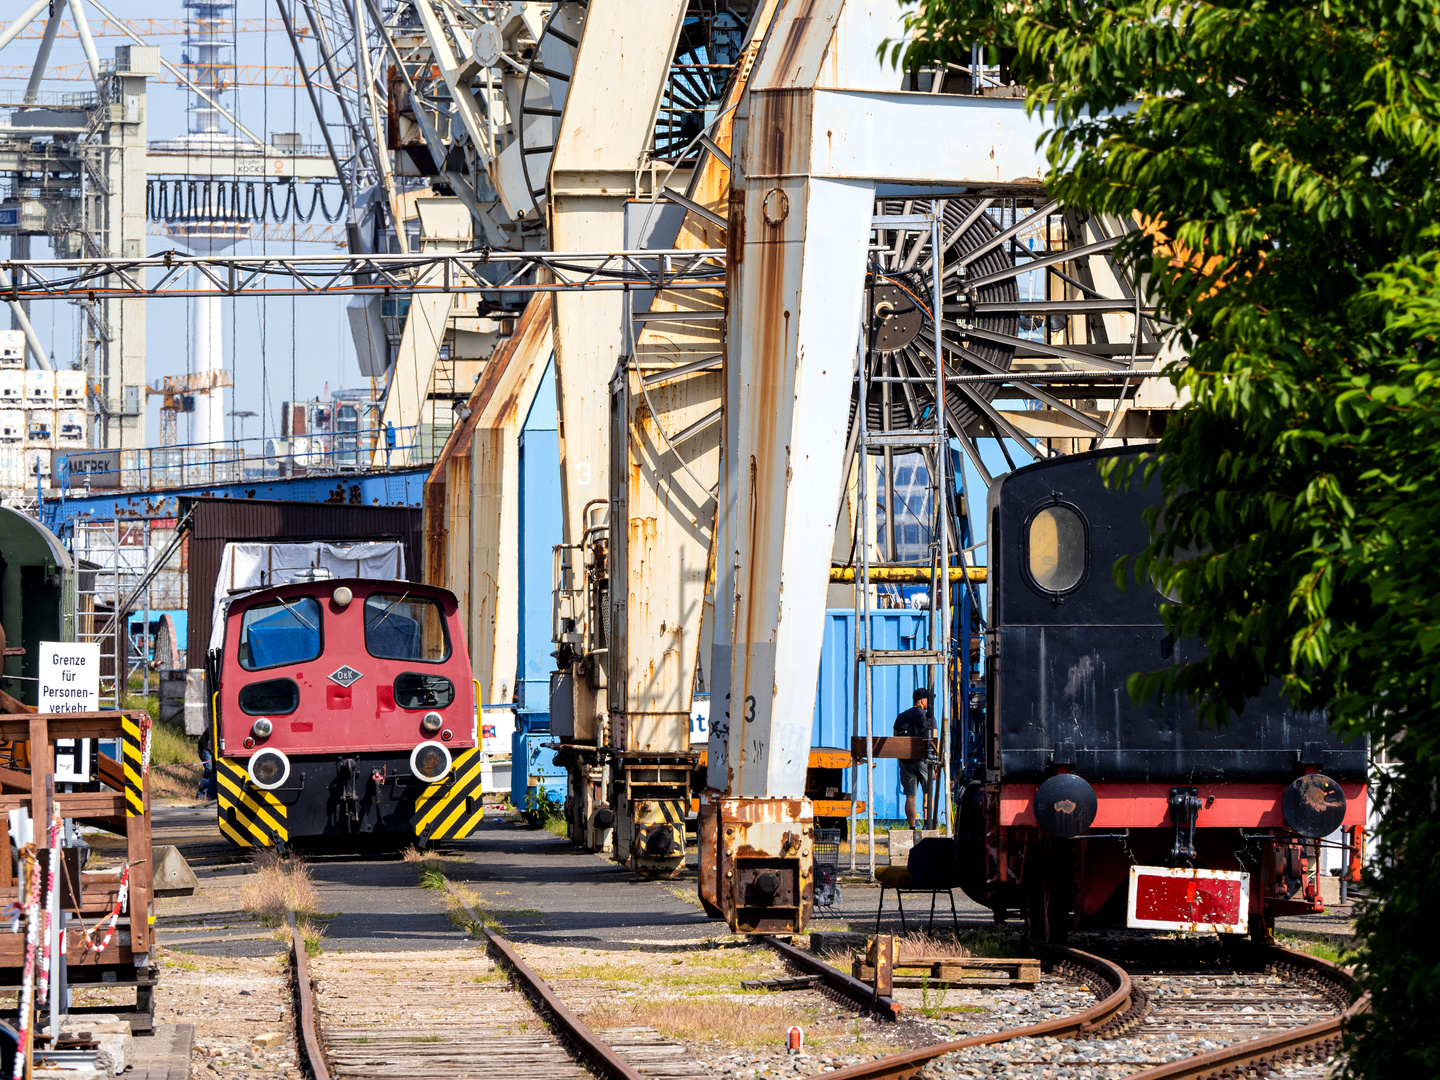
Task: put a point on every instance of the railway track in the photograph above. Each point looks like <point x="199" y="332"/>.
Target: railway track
<point x="365" y="1017"/>
<point x="1156" y="1017"/>
<point x="1265" y="1008"/>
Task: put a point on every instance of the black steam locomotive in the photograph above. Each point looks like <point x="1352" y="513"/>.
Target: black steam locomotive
<point x="1080" y="804"/>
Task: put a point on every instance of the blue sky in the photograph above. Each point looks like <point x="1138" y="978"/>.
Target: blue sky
<point x="272" y="350"/>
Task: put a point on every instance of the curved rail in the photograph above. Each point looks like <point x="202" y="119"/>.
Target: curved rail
<point x="1269" y="1050"/>
<point x="308" y="1037"/>
<point x="1112" y="1007"/>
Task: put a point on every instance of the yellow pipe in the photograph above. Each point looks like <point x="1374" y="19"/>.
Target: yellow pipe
<point x="906" y="575"/>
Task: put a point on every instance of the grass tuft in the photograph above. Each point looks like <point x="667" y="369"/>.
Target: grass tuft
<point x="277" y="887"/>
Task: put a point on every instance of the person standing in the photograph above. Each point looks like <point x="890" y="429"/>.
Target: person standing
<point x="916" y="722"/>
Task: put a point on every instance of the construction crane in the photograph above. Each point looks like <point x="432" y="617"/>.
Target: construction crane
<point x="177" y="395"/>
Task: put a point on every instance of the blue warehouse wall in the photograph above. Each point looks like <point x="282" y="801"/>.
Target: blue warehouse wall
<point x="540" y="531"/>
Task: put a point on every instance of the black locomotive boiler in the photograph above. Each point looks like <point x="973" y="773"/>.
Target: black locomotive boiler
<point x="1082" y="805"/>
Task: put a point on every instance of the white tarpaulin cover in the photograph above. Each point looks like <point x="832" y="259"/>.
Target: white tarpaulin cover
<point x="262" y="565"/>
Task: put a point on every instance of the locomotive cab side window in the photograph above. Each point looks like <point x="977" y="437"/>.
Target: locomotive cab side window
<point x="416" y="691"/>
<point x="1056" y="548"/>
<point x="285" y="632"/>
<point x="399" y="626"/>
<point x="273" y="697"/>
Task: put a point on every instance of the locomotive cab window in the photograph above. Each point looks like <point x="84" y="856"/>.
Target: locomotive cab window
<point x="285" y="632"/>
<point x="1056" y="548"/>
<point x="416" y="691"/>
<point x="273" y="697"/>
<point x="399" y="626"/>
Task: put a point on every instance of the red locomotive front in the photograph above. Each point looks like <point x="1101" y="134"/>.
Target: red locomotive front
<point x="345" y="707"/>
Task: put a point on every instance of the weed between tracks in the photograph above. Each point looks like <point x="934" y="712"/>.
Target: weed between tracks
<point x="467" y="911"/>
<point x="278" y="887"/>
<point x="1324" y="949"/>
<point x="734" y="1023"/>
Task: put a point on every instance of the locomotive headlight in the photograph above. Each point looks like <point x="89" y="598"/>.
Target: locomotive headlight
<point x="268" y="769"/>
<point x="1314" y="805"/>
<point x="341" y="597"/>
<point x="1065" y="805"/>
<point x="262" y="728"/>
<point x="430" y="761"/>
<point x="431" y="722"/>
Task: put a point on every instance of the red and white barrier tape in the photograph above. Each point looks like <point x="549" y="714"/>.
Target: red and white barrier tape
<point x="51" y="876"/>
<point x="27" y="981"/>
<point x="113" y="918"/>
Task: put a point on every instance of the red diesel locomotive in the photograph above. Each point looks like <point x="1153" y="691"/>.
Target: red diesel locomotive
<point x="345" y="708"/>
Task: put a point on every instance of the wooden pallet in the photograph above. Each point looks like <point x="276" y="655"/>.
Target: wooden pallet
<point x="919" y="972"/>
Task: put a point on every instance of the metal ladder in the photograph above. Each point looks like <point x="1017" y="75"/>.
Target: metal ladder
<point x="934" y="439"/>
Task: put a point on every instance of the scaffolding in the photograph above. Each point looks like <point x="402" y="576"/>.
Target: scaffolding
<point x="933" y="442"/>
<point x="127" y="568"/>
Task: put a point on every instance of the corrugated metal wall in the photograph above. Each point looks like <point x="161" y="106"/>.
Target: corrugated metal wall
<point x="890" y="690"/>
<point x="218" y="521"/>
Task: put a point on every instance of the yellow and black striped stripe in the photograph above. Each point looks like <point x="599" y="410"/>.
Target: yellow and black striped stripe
<point x="248" y="816"/>
<point x="450" y="810"/>
<point x="132" y="755"/>
<point x="672" y="811"/>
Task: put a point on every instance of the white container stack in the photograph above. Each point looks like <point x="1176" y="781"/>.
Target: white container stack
<point x="42" y="414"/>
<point x="70" y="429"/>
<point x="12" y="348"/>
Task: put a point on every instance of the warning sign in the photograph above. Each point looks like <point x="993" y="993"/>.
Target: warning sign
<point x="69" y="677"/>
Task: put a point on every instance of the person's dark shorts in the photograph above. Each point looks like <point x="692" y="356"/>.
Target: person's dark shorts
<point x="914" y="774"/>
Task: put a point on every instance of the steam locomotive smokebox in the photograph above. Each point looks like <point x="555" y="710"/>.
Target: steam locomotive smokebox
<point x="173" y="876"/>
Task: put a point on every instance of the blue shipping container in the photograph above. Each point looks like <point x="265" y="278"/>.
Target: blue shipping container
<point x="890" y="694"/>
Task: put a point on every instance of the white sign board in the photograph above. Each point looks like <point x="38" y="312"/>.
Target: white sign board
<point x="69" y="676"/>
<point x="70" y="683"/>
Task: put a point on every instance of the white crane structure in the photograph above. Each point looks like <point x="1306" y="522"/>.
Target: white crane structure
<point x="769" y="267"/>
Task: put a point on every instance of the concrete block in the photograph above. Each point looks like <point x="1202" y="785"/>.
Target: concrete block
<point x="173" y="876"/>
<point x="114" y="1043"/>
<point x="268" y="1039"/>
<point x="85" y="1072"/>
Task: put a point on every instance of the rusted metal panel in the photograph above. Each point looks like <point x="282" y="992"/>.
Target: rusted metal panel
<point x="788" y="371"/>
<point x="764" y="870"/>
<point x="219" y="521"/>
<point x="797" y="43"/>
<point x="621" y="59"/>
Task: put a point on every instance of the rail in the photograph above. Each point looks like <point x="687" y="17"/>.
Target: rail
<point x="846" y="985"/>
<point x="308" y="1036"/>
<point x="595" y="1051"/>
<point x="1112" y="1008"/>
<point x="1268" y="1050"/>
